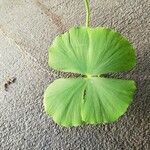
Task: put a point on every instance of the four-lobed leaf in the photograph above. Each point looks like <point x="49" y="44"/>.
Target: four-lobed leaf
<point x="90" y="52"/>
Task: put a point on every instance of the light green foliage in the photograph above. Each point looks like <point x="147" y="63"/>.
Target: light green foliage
<point x="91" y="51"/>
<point x="92" y="99"/>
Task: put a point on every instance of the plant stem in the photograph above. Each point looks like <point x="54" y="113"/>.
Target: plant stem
<point x="87" y="12"/>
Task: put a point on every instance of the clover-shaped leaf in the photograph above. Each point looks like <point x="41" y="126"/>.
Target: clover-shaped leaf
<point x="90" y="99"/>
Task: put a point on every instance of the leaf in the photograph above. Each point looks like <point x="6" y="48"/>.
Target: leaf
<point x="106" y="99"/>
<point x="72" y="102"/>
<point x="63" y="99"/>
<point x="91" y="51"/>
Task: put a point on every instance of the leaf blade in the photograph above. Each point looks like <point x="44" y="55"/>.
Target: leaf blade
<point x="62" y="101"/>
<point x="91" y="51"/>
<point x="107" y="99"/>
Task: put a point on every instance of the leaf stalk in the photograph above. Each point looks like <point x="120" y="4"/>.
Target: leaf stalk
<point x="87" y="8"/>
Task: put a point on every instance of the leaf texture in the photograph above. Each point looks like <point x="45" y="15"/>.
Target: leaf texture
<point x="92" y="99"/>
<point x="91" y="51"/>
<point x="73" y="102"/>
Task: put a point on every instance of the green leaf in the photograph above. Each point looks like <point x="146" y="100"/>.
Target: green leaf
<point x="63" y="99"/>
<point x="91" y="51"/>
<point x="106" y="99"/>
<point x="72" y="102"/>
